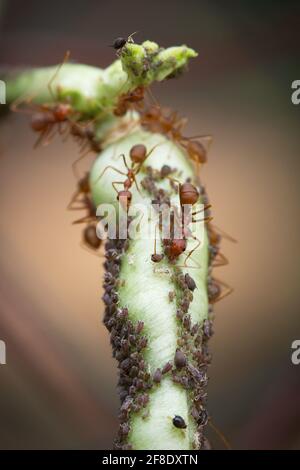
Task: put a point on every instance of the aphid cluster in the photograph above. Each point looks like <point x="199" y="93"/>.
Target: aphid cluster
<point x="128" y="343"/>
<point x="192" y="357"/>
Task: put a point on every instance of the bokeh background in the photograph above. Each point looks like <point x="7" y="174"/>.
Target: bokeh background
<point x="58" y="387"/>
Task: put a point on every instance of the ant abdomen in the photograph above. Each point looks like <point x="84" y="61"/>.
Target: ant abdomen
<point x="90" y="237"/>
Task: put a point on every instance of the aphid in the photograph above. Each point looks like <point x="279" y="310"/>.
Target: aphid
<point x="157" y="376"/>
<point x="190" y="282"/>
<point x="167" y="367"/>
<point x="179" y="422"/>
<point x="120" y="42"/>
<point x="179" y="359"/>
<point x="139" y="326"/>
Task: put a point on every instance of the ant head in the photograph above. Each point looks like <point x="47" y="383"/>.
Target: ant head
<point x="62" y="111"/>
<point x="153" y="113"/>
<point x="174" y="247"/>
<point x="138" y="153"/>
<point x="137" y="94"/>
<point x="188" y="194"/>
<point x="125" y="198"/>
<point x="90" y="237"/>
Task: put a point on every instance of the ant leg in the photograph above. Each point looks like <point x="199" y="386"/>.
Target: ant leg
<point x="225" y="293"/>
<point x="136" y="184"/>
<point x="153" y="98"/>
<point x="75" y="163"/>
<point x="50" y="83"/>
<point x="205" y="219"/>
<point x="73" y="200"/>
<point x="112" y="168"/>
<point x="220" y="260"/>
<point x="155" y="239"/>
<point x="116" y="182"/>
<point x="89" y="250"/>
<point x="129" y="39"/>
<point x="173" y="180"/>
<point x="219" y="434"/>
<point x="224" y="234"/>
<point x="49" y="136"/>
<point x="192" y="251"/>
<point x="206" y="206"/>
<point x="44" y="134"/>
<point x="85" y="219"/>
<point x="124" y="160"/>
<point x="16" y="105"/>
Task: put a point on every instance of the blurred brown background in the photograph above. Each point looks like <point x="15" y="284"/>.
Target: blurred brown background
<point x="58" y="387"/>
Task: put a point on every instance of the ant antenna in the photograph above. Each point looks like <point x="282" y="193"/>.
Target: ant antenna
<point x="65" y="59"/>
<point x="129" y="39"/>
<point x="220" y="435"/>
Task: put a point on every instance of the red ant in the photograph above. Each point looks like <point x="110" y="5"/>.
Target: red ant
<point x="46" y="116"/>
<point x="138" y="154"/>
<point x="128" y="100"/>
<point x="171" y="125"/>
<point x="90" y="238"/>
<point x="174" y="247"/>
